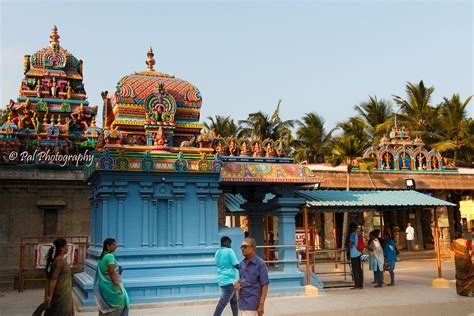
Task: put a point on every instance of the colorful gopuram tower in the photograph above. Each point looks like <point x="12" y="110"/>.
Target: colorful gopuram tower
<point x="51" y="114"/>
<point x="46" y="137"/>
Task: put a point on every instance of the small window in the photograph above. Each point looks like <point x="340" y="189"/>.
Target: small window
<point x="50" y="221"/>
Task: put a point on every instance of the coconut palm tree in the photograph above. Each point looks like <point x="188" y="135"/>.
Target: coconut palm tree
<point x="311" y="137"/>
<point x="417" y="112"/>
<point x="261" y="126"/>
<point x="223" y="126"/>
<point x="345" y="149"/>
<point x="353" y="126"/>
<point x="375" y="115"/>
<point x="453" y="127"/>
<point x="467" y="152"/>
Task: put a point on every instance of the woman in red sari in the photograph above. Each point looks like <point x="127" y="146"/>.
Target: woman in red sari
<point x="464" y="268"/>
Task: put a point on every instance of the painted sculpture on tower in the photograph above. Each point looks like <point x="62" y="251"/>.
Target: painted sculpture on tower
<point x="52" y="111"/>
<point x="400" y="152"/>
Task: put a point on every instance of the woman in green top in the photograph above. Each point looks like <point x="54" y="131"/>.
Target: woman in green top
<point x="110" y="294"/>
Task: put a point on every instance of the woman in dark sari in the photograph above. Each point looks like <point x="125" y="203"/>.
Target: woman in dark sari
<point x="112" y="298"/>
<point x="464" y="268"/>
<point x="58" y="300"/>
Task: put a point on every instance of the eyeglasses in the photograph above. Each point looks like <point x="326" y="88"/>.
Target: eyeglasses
<point x="244" y="246"/>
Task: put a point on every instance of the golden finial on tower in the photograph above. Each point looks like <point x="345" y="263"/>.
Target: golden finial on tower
<point x="54" y="37"/>
<point x="150" y="61"/>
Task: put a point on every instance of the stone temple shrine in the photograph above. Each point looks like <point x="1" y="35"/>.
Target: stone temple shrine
<point x="159" y="182"/>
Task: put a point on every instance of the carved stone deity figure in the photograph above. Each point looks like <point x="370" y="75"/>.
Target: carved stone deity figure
<point x="244" y="149"/>
<point x="232" y="147"/>
<point x="435" y="163"/>
<point x="69" y="90"/>
<point x="13" y="113"/>
<point x="387" y="161"/>
<point x="54" y="88"/>
<point x="28" y="119"/>
<point x="219" y="148"/>
<point x="256" y="149"/>
<point x="75" y="125"/>
<point x="159" y="138"/>
<point x="26" y="63"/>
<point x="204" y="139"/>
<point x="82" y="116"/>
<point x="421" y="166"/>
<point x="403" y="157"/>
<point x="392" y="133"/>
<point x="38" y="88"/>
<point x="269" y="151"/>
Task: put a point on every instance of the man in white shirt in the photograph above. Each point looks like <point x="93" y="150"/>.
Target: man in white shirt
<point x="410" y="231"/>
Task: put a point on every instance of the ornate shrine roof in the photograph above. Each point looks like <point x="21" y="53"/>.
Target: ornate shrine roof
<point x="153" y="96"/>
<point x="54" y="61"/>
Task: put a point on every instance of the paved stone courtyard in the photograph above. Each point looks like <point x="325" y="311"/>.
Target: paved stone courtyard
<point x="412" y="295"/>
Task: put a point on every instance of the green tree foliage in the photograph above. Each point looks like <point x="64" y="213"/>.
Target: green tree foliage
<point x="224" y="126"/>
<point x="261" y="126"/>
<point x="417" y="113"/>
<point x="453" y="131"/>
<point x="311" y="137"/>
<point x="376" y="115"/>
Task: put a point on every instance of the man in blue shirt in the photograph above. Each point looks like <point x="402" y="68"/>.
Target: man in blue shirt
<point x="355" y="254"/>
<point x="253" y="283"/>
<point x="227" y="276"/>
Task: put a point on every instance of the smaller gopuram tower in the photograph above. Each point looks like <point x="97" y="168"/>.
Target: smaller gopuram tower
<point x="51" y="114"/>
<point x="400" y="152"/>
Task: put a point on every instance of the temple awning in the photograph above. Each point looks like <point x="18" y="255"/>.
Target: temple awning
<point x="358" y="201"/>
<point x="233" y="202"/>
<point x="350" y="201"/>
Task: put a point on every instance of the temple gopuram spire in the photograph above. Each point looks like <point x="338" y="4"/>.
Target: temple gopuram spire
<point x="54" y="37"/>
<point x="150" y="61"/>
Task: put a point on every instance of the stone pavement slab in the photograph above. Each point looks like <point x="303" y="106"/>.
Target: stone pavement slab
<point x="412" y="295"/>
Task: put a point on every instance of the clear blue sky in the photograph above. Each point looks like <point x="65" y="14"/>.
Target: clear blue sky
<point x="321" y="56"/>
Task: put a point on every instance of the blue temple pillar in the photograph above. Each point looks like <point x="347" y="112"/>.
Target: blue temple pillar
<point x="255" y="214"/>
<point x="120" y="195"/>
<point x="146" y="192"/>
<point x="178" y="193"/>
<point x="213" y="209"/>
<point x="286" y="209"/>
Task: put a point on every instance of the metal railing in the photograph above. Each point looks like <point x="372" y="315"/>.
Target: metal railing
<point x="323" y="262"/>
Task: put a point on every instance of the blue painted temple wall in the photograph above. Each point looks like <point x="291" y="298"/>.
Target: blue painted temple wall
<point x="166" y="228"/>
